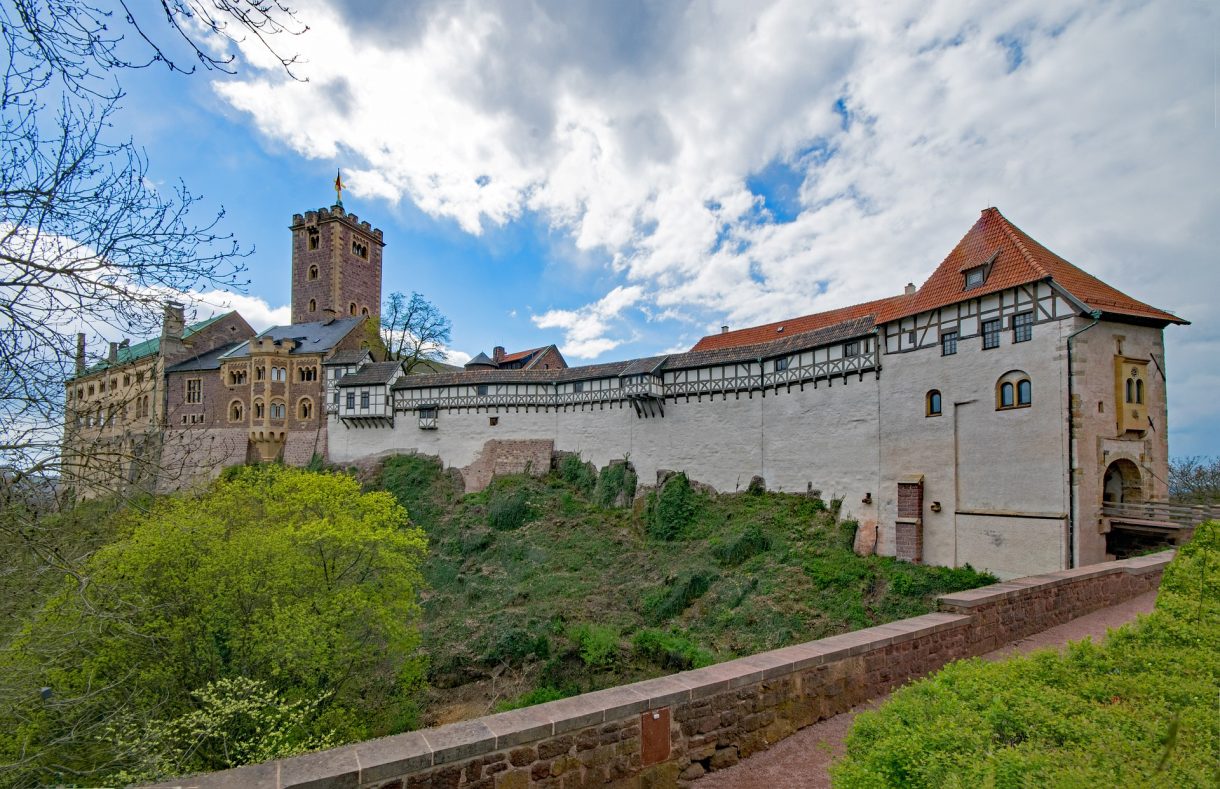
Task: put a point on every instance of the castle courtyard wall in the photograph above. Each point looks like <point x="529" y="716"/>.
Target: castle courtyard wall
<point x="794" y="439"/>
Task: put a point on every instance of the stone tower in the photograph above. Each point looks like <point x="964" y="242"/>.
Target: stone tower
<point x="336" y="266"/>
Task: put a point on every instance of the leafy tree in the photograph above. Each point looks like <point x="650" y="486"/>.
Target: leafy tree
<point x="292" y="579"/>
<point x="86" y="243"/>
<point x="412" y="331"/>
<point x="1194" y="480"/>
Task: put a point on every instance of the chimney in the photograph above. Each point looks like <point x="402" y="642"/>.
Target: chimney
<point x="909" y="290"/>
<point x="80" y="353"/>
<point x="724" y="329"/>
<point x="174" y="324"/>
<point x="497" y="354"/>
<point x="113" y="356"/>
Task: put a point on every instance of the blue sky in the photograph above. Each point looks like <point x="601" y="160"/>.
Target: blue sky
<point x="621" y="179"/>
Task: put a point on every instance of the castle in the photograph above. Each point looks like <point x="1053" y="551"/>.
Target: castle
<point x="997" y="415"/>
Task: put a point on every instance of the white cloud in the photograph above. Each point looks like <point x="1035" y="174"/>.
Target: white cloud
<point x="586" y="329"/>
<point x="634" y="131"/>
<point x="457" y="357"/>
<point x="256" y="311"/>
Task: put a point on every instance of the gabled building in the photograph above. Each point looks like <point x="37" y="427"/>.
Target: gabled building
<point x="998" y="415"/>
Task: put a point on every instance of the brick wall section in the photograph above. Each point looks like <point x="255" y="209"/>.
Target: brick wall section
<point x="507" y="457"/>
<point x="717" y="714"/>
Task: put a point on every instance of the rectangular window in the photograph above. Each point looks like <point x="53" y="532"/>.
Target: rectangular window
<point x="364" y="401"/>
<point x="1022" y="327"/>
<point x="194" y="390"/>
<point x="482" y="390"/>
<point x="975" y="277"/>
<point x="781" y="365"/>
<point x="351" y="401"/>
<point x="578" y="386"/>
<point x="948" y="343"/>
<point x="851" y="348"/>
<point x="991" y="334"/>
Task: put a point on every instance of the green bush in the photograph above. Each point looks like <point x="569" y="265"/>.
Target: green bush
<point x="672" y="650"/>
<point x="1137" y="710"/>
<point x="508" y="507"/>
<point x="672" y="509"/>
<point x="580" y="475"/>
<point x="615" y="479"/>
<point x="416" y="481"/>
<point x="750" y="542"/>
<point x="515" y="645"/>
<point x="536" y="696"/>
<point x="598" y="644"/>
<point x="674" y="598"/>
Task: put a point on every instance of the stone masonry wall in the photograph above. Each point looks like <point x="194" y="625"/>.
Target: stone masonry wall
<point x="669" y="730"/>
<point x="507" y="457"/>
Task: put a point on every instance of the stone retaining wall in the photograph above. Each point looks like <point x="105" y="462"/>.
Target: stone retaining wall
<point x="665" y="731"/>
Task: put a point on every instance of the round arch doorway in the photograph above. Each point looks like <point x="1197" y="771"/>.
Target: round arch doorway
<point x="1123" y="483"/>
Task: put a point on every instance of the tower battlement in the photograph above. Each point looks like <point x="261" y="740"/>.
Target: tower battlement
<point x="336" y="265"/>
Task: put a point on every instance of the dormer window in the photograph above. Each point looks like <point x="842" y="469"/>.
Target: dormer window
<point x="977" y="274"/>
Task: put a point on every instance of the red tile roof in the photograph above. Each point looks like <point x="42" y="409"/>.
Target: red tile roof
<point x="1016" y="259"/>
<point x="512" y="357"/>
<point x="805" y="323"/>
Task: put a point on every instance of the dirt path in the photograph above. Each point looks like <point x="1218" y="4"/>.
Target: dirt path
<point x="802" y="761"/>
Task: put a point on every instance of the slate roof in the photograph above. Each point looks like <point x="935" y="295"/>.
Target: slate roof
<point x="653" y="364"/>
<point x="372" y="373"/>
<point x="1016" y="259"/>
<point x="482" y="360"/>
<point x="315" y="337"/>
<point x="150" y="347"/>
<point x="806" y="323"/>
<point x="348" y="356"/>
<point x="204" y="361"/>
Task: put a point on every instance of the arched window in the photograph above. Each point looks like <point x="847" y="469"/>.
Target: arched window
<point x="235" y="411"/>
<point x="351" y="308"/>
<point x="277" y="410"/>
<point x="313" y="305"/>
<point x="932" y="404"/>
<point x="1139" y="391"/>
<point x="1014" y="390"/>
<point x="305" y="408"/>
<point x="259" y="413"/>
<point x="313" y="272"/>
<point x="1130" y="390"/>
<point x="283" y="373"/>
<point x="364" y="311"/>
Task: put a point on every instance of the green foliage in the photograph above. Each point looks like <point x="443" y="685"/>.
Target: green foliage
<point x="672" y="509"/>
<point x="1137" y="710"/>
<point x="670" y="650"/>
<point x="732" y="582"/>
<point x="508" y="506"/>
<point x="289" y="578"/>
<point x="236" y="721"/>
<point x="418" y="483"/>
<point x="536" y="696"/>
<point x="598" y="644"/>
<point x="750" y="542"/>
<point x="517" y="644"/>
<point x="616" y="479"/>
<point x="578" y="474"/>
<point x="677" y="595"/>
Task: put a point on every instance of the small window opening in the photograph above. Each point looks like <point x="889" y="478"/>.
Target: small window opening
<point x="313" y="272"/>
<point x="493" y="420"/>
<point x="313" y="305"/>
<point x="933" y="403"/>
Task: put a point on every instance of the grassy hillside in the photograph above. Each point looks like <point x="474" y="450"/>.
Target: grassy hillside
<point x="541" y="588"/>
